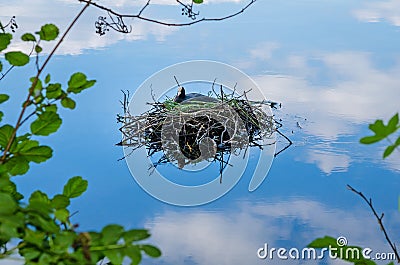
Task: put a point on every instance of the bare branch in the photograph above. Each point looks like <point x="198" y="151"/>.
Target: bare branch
<point x="187" y="11"/>
<point x="379" y="219"/>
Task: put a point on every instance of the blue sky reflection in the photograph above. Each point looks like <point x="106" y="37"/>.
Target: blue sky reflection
<point x="335" y="66"/>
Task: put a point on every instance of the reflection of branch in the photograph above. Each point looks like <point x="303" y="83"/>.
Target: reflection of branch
<point x="187" y="9"/>
<point x="12" y="24"/>
<point x="287" y="146"/>
<point x="379" y="218"/>
<point x="139" y="15"/>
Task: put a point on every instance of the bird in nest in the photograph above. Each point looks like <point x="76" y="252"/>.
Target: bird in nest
<point x="182" y="97"/>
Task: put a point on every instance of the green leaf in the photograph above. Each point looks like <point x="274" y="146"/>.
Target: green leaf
<point x="47" y="79"/>
<point x="37" y="154"/>
<point x="95" y="238"/>
<point x="1" y="116"/>
<point x="39" y="217"/>
<point x="25" y="144"/>
<point x="17" y="58"/>
<point x="115" y="256"/>
<point x="7" y="231"/>
<point x="89" y="84"/>
<point x="34" y="237"/>
<point x="5" y="39"/>
<point x="9" y="187"/>
<point x="60" y="202"/>
<point x="17" y="219"/>
<point x="150" y="250"/>
<point x="48" y="32"/>
<point x="135" y="235"/>
<point x="45" y="259"/>
<point x="38" y="85"/>
<point x="197" y="1"/>
<point x="7" y="204"/>
<point x="133" y="252"/>
<point x="39" y="196"/>
<point x="53" y="91"/>
<point x="29" y="253"/>
<point x="51" y="108"/>
<point x="64" y="239"/>
<point x="371" y="139"/>
<point x="62" y="215"/>
<point x="393" y="124"/>
<point x="68" y="103"/>
<point x="48" y="122"/>
<point x="75" y="187"/>
<point x="388" y="150"/>
<point x="377" y="127"/>
<point x="323" y="242"/>
<point x="79" y="82"/>
<point x="38" y="49"/>
<point x="111" y="234"/>
<point x="28" y="37"/>
<point x="17" y="165"/>
<point x="5" y="134"/>
<point x="4" y="98"/>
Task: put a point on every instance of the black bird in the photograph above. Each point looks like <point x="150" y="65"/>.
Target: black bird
<point x="183" y="97"/>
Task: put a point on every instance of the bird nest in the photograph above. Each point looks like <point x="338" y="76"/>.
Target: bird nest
<point x="195" y="130"/>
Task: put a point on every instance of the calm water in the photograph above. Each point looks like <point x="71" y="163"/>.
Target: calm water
<point x="335" y="66"/>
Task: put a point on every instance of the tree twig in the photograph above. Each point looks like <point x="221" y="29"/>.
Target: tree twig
<point x="378" y="218"/>
<point x="141" y="17"/>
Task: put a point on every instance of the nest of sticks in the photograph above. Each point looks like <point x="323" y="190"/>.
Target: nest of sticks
<point x="193" y="131"/>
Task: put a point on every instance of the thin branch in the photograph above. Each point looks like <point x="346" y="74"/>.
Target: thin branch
<point x="378" y="218"/>
<point x="139" y="15"/>
<point x="144" y="7"/>
<point x="27" y="101"/>
<point x="287" y="146"/>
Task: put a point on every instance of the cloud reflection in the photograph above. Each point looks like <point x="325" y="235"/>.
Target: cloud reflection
<point x="30" y="17"/>
<point x="380" y="11"/>
<point x="233" y="236"/>
<point x="344" y="92"/>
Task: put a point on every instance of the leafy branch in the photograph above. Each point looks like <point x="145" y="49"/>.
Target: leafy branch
<point x="42" y="226"/>
<point x="47" y="33"/>
<point x="381" y="132"/>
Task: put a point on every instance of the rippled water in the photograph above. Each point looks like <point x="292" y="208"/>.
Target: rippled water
<point x="335" y="68"/>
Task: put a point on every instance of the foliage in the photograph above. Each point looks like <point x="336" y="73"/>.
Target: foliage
<point x="381" y="132"/>
<point x="40" y="229"/>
